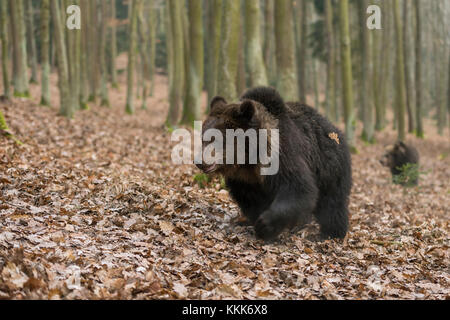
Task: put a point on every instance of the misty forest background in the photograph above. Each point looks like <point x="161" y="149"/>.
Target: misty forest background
<point x="92" y="207"/>
<point x="319" y="52"/>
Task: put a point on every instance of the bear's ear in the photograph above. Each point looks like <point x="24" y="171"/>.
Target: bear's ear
<point x="246" y="110"/>
<point x="217" y="101"/>
<point x="401" y="146"/>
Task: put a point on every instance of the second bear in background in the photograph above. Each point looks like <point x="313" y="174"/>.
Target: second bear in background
<point x="397" y="158"/>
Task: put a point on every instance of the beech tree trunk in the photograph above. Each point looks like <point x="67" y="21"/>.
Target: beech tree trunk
<point x="255" y="62"/>
<point x="45" y="53"/>
<point x="178" y="71"/>
<point x="400" y="74"/>
<point x="285" y="50"/>
<point x="347" y="77"/>
<point x="132" y="55"/>
<point x="418" y="69"/>
<point x="192" y="107"/>
<point x="229" y="52"/>
<point x="20" y="75"/>
<point x="330" y="90"/>
<point x="61" y="56"/>
<point x="5" y="46"/>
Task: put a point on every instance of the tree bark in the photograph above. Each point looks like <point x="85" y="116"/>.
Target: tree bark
<point x="228" y="59"/>
<point x="302" y="53"/>
<point x="132" y="55"/>
<point x="61" y="55"/>
<point x="113" y="67"/>
<point x="152" y="44"/>
<point x="178" y="72"/>
<point x="367" y="76"/>
<point x="330" y="94"/>
<point x="385" y="62"/>
<point x="406" y="52"/>
<point x="93" y="50"/>
<point x="20" y="76"/>
<point x="255" y="62"/>
<point x="5" y="47"/>
<point x="102" y="55"/>
<point x="45" y="53"/>
<point x="418" y="69"/>
<point x="31" y="41"/>
<point x="214" y="28"/>
<point x="400" y="73"/>
<point x="192" y="107"/>
<point x="285" y="50"/>
<point x="241" y="79"/>
<point x="84" y="56"/>
<point x="269" y="42"/>
<point x="347" y="78"/>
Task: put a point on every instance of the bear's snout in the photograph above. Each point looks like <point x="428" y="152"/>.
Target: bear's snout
<point x="207" y="168"/>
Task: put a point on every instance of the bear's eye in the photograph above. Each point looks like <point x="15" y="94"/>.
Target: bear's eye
<point x="228" y="124"/>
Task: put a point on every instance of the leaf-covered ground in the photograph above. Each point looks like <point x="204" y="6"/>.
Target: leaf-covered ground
<point x="94" y="208"/>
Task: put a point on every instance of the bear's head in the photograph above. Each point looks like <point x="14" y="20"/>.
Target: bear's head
<point x="235" y="127"/>
<point x="394" y="155"/>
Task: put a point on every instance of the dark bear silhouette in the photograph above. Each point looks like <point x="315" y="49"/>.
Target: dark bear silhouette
<point x="397" y="156"/>
<point x="314" y="176"/>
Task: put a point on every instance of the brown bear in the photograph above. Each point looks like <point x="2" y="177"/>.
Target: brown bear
<point x="396" y="157"/>
<point x="314" y="175"/>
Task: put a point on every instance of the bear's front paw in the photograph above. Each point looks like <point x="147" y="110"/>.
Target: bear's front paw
<point x="266" y="228"/>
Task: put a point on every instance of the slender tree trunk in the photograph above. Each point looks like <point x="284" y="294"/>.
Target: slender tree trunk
<point x="213" y="47"/>
<point x="338" y="72"/>
<point x="269" y="42"/>
<point x="385" y="61"/>
<point x="418" y="69"/>
<point x="45" y="53"/>
<point x="31" y="41"/>
<point x="73" y="58"/>
<point x="132" y="55"/>
<point x="285" y="50"/>
<point x="20" y="79"/>
<point x="440" y="51"/>
<point x="303" y="53"/>
<point x="186" y="51"/>
<point x="178" y="71"/>
<point x="192" y="107"/>
<point x="61" y="55"/>
<point x="144" y="50"/>
<point x="5" y="47"/>
<point x="152" y="44"/>
<point x="367" y="68"/>
<point x="255" y="62"/>
<point x="330" y="94"/>
<point x="114" y="82"/>
<point x="102" y="55"/>
<point x="241" y="80"/>
<point x="448" y="88"/>
<point x="407" y="53"/>
<point x="377" y="63"/>
<point x="315" y="67"/>
<point x="84" y="54"/>
<point x="347" y="78"/>
<point x="169" y="47"/>
<point x="400" y="73"/>
<point x="229" y="54"/>
<point x="93" y="50"/>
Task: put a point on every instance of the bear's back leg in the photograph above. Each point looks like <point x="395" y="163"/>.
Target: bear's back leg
<point x="332" y="215"/>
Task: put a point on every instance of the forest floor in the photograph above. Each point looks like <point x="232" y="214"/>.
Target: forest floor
<point x="94" y="208"/>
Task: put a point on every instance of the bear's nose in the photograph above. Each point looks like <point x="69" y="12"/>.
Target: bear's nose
<point x="201" y="166"/>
